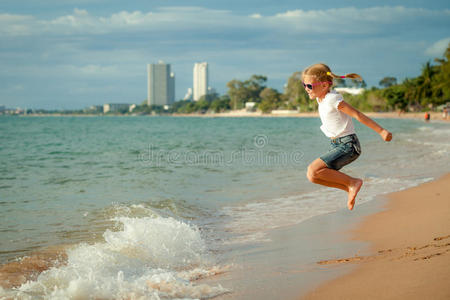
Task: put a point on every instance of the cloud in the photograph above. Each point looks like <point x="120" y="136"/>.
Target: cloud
<point x="94" y="70"/>
<point x="104" y="57"/>
<point x="438" y="48"/>
<point x="255" y="16"/>
<point x="16" y="25"/>
<point x="340" y="20"/>
<point x="162" y="20"/>
<point x="353" y="20"/>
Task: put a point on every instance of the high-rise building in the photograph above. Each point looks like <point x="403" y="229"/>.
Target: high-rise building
<point x="161" y="84"/>
<point x="188" y="95"/>
<point x="200" y="80"/>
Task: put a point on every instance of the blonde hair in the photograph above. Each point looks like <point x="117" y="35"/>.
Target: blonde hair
<point x="322" y="72"/>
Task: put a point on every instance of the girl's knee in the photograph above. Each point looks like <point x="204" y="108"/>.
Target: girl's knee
<point x="311" y="173"/>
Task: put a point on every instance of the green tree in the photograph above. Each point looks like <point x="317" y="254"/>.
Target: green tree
<point x="270" y="100"/>
<point x="388" y="81"/>
<point x="354" y="83"/>
<point x="236" y="93"/>
<point x="209" y="97"/>
<point x="340" y="82"/>
<point x="221" y="104"/>
<point x="188" y="108"/>
<point x="248" y="90"/>
<point x="183" y="106"/>
<point x="254" y="86"/>
<point x="201" y="106"/>
<point x="425" y="89"/>
<point x="441" y="82"/>
<point x="395" y="96"/>
<point x="294" y="91"/>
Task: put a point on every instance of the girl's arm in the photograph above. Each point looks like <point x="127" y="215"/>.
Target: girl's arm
<point x="354" y="113"/>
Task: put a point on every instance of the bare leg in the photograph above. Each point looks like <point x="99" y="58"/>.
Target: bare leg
<point x="319" y="173"/>
<point x="331" y="184"/>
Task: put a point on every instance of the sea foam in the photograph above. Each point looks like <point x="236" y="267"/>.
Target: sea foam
<point x="251" y="223"/>
<point x="148" y="258"/>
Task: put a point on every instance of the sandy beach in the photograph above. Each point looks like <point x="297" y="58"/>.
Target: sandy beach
<point x="410" y="250"/>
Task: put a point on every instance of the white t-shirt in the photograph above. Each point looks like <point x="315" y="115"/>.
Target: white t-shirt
<point x="334" y="122"/>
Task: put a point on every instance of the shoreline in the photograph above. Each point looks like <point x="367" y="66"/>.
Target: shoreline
<point x="409" y="254"/>
<point x="287" y="265"/>
<point x="309" y="257"/>
<point x="435" y="116"/>
<point x="301" y="260"/>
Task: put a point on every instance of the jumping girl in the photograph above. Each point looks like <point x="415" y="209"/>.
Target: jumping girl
<point x="336" y="116"/>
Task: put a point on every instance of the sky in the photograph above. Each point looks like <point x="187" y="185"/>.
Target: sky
<point x="71" y="54"/>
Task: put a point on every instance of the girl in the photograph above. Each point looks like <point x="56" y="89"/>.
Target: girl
<point x="336" y="116"/>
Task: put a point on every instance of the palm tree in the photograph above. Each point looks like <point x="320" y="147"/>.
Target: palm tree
<point x="424" y="94"/>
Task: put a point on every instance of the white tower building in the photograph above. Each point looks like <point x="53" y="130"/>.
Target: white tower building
<point x="188" y="95"/>
<point x="200" y="80"/>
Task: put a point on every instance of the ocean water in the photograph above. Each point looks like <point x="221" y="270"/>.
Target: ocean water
<point x="146" y="206"/>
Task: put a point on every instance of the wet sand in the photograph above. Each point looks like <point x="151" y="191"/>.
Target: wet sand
<point x="410" y="250"/>
<point x="288" y="264"/>
<point x="16" y="273"/>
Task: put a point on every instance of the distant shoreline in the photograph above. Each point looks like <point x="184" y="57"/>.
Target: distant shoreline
<point x="240" y="114"/>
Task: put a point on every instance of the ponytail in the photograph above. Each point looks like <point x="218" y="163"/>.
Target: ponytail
<point x="323" y="73"/>
<point x="351" y="75"/>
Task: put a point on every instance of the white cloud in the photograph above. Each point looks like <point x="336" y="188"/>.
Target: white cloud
<point x="81" y="51"/>
<point x="79" y="18"/>
<point x="438" y="48"/>
<point x="15" y="25"/>
<point x="125" y="18"/>
<point x="97" y="70"/>
<point x="164" y="19"/>
<point x="344" y="20"/>
<point x="355" y="20"/>
<point x="256" y="16"/>
<point x="383" y="14"/>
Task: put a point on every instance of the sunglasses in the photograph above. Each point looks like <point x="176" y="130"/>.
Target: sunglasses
<point x="310" y="86"/>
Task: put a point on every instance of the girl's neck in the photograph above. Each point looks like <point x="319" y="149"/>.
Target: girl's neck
<point x="322" y="96"/>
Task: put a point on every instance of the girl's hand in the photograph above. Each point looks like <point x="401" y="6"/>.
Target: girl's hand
<point x="386" y="135"/>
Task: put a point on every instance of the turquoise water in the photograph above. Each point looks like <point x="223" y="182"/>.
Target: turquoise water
<point x="102" y="182"/>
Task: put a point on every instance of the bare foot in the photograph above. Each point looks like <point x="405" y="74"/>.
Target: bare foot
<point x="352" y="192"/>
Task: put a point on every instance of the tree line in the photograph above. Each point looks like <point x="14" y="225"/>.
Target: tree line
<point x="427" y="91"/>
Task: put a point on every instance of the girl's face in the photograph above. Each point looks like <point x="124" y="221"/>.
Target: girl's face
<point x="315" y="88"/>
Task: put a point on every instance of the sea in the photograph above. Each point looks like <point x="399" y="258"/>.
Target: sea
<point x="144" y="207"/>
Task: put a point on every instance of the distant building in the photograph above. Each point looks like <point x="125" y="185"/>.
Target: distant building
<point x="188" y="95"/>
<point x="116" y="107"/>
<point x="250" y="106"/>
<point x="94" y="109"/>
<point x="283" y="111"/>
<point x="351" y="90"/>
<point x="211" y="90"/>
<point x="161" y="84"/>
<point x="200" y="80"/>
<point x="2" y="108"/>
<point x="132" y="107"/>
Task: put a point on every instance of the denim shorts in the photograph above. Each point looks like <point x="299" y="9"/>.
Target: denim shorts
<point x="343" y="151"/>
